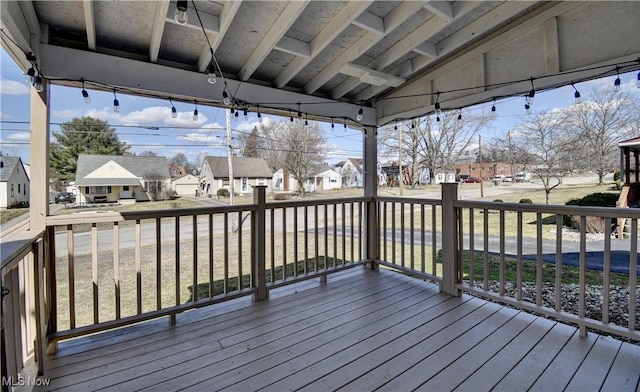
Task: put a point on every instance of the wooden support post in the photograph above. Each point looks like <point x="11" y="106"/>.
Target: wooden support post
<point x="39" y="153"/>
<point x="258" y="222"/>
<point x="450" y="239"/>
<point x="371" y="191"/>
<point x="40" y="311"/>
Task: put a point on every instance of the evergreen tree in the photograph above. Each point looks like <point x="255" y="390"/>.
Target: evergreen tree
<point x="252" y="145"/>
<point x="84" y="135"/>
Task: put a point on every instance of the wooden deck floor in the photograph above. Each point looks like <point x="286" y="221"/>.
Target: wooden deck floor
<point x="362" y="331"/>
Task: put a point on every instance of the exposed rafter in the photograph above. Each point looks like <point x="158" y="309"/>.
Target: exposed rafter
<point x="275" y="33"/>
<point x="443" y="9"/>
<point x="394" y="19"/>
<point x="90" y="24"/>
<point x="157" y="29"/>
<point x="341" y="21"/>
<point x="226" y="17"/>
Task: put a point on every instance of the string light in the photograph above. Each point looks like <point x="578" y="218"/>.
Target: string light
<point x="225" y="98"/>
<point x="437" y="105"/>
<point x="246" y="115"/>
<point x="532" y="93"/>
<point x="212" y="74"/>
<point x="306" y="120"/>
<point x="616" y="83"/>
<point x="181" y="15"/>
<point x="493" y="108"/>
<point x="460" y="115"/>
<point x="259" y="115"/>
<point x="332" y="125"/>
<point x="174" y="112"/>
<point x="299" y="112"/>
<point x="360" y="113"/>
<point x="30" y="75"/>
<point x="195" y="111"/>
<point x="290" y="116"/>
<point x="638" y="82"/>
<point x="345" y="123"/>
<point x="576" y="95"/>
<point x="116" y="103"/>
<point x="85" y="94"/>
<point x="527" y="108"/>
<point x="37" y="84"/>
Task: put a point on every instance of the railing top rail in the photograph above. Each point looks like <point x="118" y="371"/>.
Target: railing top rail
<point x="16" y="246"/>
<point x="611" y="212"/>
<point x="142" y="214"/>
<point x="301" y="203"/>
<point x="409" y="200"/>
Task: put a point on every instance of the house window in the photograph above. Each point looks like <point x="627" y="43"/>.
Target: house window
<point x="97" y="190"/>
<point x="11" y="190"/>
<point x="125" y="188"/>
<point x="333" y="180"/>
<point x="244" y="184"/>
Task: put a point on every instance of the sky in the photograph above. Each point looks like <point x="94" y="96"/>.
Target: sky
<point x="146" y="123"/>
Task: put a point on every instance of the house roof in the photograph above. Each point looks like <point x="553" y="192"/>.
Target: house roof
<point x="242" y="167"/>
<point x="7" y="167"/>
<point x="356" y="162"/>
<point x="136" y="165"/>
<point x="634" y="143"/>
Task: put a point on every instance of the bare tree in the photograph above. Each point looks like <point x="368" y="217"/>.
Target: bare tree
<point x="599" y="123"/>
<point x="547" y="142"/>
<point x="154" y="185"/>
<point x="304" y="151"/>
<point x="431" y="144"/>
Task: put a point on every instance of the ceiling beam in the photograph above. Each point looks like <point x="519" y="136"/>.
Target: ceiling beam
<point x="65" y="66"/>
<point x="15" y="28"/>
<point x="394" y="19"/>
<point x="335" y="27"/>
<point x="443" y="9"/>
<point x="157" y="29"/>
<point x="478" y="27"/>
<point x="275" y="33"/>
<point x="294" y="46"/>
<point x="33" y="24"/>
<point x="370" y="22"/>
<point x="90" y="24"/>
<point x="227" y="14"/>
<point x="427" y="49"/>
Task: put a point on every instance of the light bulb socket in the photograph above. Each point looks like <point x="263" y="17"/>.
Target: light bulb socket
<point x="246" y="115"/>
<point x="181" y="15"/>
<point x="225" y="98"/>
<point x="174" y="112"/>
<point x="576" y="95"/>
<point x="85" y="96"/>
<point x="37" y="84"/>
<point x="616" y="85"/>
<point x="233" y="110"/>
<point x="116" y="105"/>
<point x="360" y="114"/>
<point x="195" y="115"/>
<point x="259" y="117"/>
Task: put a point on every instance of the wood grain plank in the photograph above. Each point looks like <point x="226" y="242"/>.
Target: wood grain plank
<point x="527" y="370"/>
<point x="624" y="374"/>
<point x="595" y="367"/>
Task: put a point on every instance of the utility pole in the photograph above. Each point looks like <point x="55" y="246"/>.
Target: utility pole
<point x="510" y="156"/>
<point x="480" y="152"/>
<point x="230" y="157"/>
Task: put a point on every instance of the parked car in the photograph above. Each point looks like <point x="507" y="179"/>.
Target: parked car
<point x="473" y="180"/>
<point x="498" y="179"/>
<point x="523" y="177"/>
<point x="65" y="197"/>
<point x="462" y="178"/>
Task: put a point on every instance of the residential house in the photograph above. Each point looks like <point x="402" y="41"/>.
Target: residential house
<point x="177" y="171"/>
<point x="111" y="178"/>
<point x="324" y="178"/>
<point x="185" y="185"/>
<point x="247" y="172"/>
<point x="352" y="172"/>
<point x="487" y="170"/>
<point x="14" y="183"/>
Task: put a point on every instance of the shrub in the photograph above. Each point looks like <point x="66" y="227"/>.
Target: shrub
<point x="526" y="201"/>
<point x="222" y="193"/>
<point x="616" y="175"/>
<point x="281" y="196"/>
<point x="498" y="201"/>
<point x="593" y="224"/>
<point x="618" y="184"/>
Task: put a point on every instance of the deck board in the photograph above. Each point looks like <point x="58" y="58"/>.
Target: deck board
<point x="363" y="330"/>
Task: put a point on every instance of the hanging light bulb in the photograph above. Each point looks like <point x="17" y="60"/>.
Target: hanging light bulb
<point x="532" y="93"/>
<point x="116" y="103"/>
<point x="212" y="74"/>
<point x="527" y="108"/>
<point x="616" y="83"/>
<point x="174" y="112"/>
<point x="246" y="115"/>
<point x="85" y="94"/>
<point x="638" y="82"/>
<point x="30" y="75"/>
<point x="306" y="120"/>
<point x="259" y="115"/>
<point x="345" y="123"/>
<point x="413" y="124"/>
<point x="181" y="15"/>
<point x="360" y="114"/>
<point x="332" y="125"/>
<point x="299" y="112"/>
<point x="493" y="108"/>
<point x="576" y="94"/>
<point x="290" y="116"/>
<point x="460" y="115"/>
<point x="225" y="98"/>
<point x="195" y="112"/>
<point x="233" y="110"/>
<point x="236" y="114"/>
<point x="37" y="84"/>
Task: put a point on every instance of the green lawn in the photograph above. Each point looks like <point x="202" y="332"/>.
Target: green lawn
<point x="6" y="214"/>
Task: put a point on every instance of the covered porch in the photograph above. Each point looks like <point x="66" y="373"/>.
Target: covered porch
<point x="358" y="293"/>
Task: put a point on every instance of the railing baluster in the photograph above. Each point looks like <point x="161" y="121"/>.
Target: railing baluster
<point x="606" y="271"/>
<point x="472" y="252"/>
<point x="411" y="232"/>
<point x="326" y="236"/>
<point x="94" y="270"/>
<point x="116" y="268"/>
<point x="393" y="232"/>
<point x="306" y="239"/>
<point x="402" y="235"/>
<point x="211" y="257"/>
<point x="240" y="258"/>
<point x="316" y="241"/>
<point x="361" y="207"/>
<point x="583" y="272"/>
<point x="352" y="224"/>
<point x="519" y="257"/>
<point x="335" y="235"/>
<point x="558" y="279"/>
<point x="344" y="233"/>
<point x="177" y="263"/>
<point x="72" y="281"/>
<point x="139" y="267"/>
<point x="295" y="241"/>
<point x="539" y="260"/>
<point x="158" y="263"/>
<point x="194" y="292"/>
<point x="422" y="240"/>
<point x="502" y="252"/>
<point x="485" y="253"/>
<point x="225" y="283"/>
<point x="273" y="245"/>
<point x="384" y="232"/>
<point x="284" y="243"/>
<point x="434" y="239"/>
<point x="633" y="274"/>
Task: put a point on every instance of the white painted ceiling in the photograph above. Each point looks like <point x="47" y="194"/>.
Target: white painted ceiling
<point x="330" y="56"/>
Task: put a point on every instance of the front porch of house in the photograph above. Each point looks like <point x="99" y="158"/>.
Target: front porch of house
<point x="361" y="330"/>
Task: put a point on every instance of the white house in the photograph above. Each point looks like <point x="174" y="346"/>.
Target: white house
<point x="185" y="185"/>
<point x="111" y="178"/>
<point x="14" y="182"/>
<point x="247" y="172"/>
<point x="351" y="171"/>
<point x="325" y="178"/>
<point x="328" y="179"/>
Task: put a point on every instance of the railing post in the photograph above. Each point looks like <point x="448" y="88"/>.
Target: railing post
<point x="51" y="292"/>
<point x="258" y="235"/>
<point x="450" y="262"/>
<point x="371" y="247"/>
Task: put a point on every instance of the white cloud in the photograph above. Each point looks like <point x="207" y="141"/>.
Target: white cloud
<point x="19" y="136"/>
<point x="12" y="87"/>
<point x="67" y="113"/>
<point x="202" y="138"/>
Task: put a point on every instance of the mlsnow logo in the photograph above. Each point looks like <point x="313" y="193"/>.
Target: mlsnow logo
<point x="25" y="381"/>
